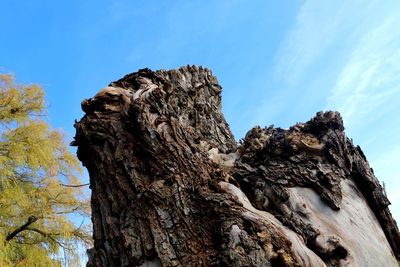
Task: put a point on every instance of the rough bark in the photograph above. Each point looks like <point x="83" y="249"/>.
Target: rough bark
<point x="171" y="187"/>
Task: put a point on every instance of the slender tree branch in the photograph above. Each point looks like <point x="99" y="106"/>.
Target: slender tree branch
<point x="43" y="233"/>
<point x="51" y="236"/>
<point x="74" y="185"/>
<point x="27" y="243"/>
<point x="23" y="227"/>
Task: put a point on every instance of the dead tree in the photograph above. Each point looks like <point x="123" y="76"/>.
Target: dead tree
<point x="171" y="186"/>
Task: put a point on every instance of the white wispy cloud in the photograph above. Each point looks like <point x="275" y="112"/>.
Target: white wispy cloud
<point x="370" y="77"/>
<point x="315" y="31"/>
<point x="324" y="31"/>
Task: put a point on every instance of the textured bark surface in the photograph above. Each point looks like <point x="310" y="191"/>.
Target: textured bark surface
<point x="171" y="187"/>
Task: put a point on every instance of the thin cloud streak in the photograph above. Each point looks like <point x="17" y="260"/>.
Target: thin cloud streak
<point x="317" y="27"/>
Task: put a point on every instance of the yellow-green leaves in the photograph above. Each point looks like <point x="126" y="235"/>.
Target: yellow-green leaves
<point x="19" y="102"/>
<point x="35" y="165"/>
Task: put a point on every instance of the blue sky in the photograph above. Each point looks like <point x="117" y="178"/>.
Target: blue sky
<point x="279" y="62"/>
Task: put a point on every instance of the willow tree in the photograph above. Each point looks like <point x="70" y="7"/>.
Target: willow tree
<point x="40" y="194"/>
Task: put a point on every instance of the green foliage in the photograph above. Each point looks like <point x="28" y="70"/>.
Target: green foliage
<point x="35" y="166"/>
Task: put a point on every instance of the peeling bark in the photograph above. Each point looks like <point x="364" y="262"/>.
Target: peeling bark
<point x="171" y="187"/>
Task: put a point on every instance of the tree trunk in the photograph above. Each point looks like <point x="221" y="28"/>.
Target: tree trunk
<point x="171" y="187"/>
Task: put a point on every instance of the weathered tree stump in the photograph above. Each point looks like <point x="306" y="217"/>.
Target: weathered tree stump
<point x="171" y="187"/>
